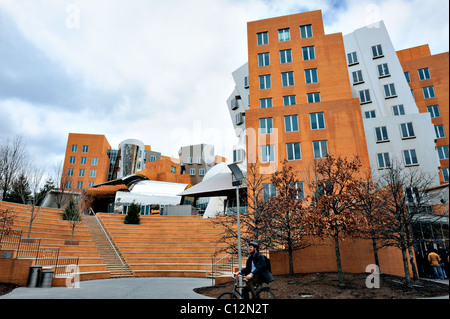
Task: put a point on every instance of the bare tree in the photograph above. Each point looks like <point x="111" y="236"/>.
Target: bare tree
<point x="72" y="215"/>
<point x="34" y="176"/>
<point x="61" y="177"/>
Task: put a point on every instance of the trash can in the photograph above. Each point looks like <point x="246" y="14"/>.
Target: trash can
<point x="46" y="279"/>
<point x="34" y="276"/>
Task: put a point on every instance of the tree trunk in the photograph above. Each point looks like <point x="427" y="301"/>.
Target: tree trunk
<point x="413" y="264"/>
<point x="291" y="261"/>
<point x="338" y="261"/>
<point x="375" y="254"/>
<point x="406" y="268"/>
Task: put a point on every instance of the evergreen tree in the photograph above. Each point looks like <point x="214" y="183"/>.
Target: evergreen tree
<point x="20" y="191"/>
<point x="132" y="216"/>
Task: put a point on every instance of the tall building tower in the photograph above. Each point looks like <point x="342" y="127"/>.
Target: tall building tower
<point x="427" y="76"/>
<point x="301" y="104"/>
<point x="86" y="161"/>
<point x="395" y="129"/>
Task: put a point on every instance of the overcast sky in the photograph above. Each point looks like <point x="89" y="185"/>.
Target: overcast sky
<point x="158" y="71"/>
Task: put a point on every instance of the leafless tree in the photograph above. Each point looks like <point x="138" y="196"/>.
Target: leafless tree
<point x="61" y="178"/>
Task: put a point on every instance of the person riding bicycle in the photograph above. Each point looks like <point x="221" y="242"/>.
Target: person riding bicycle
<point x="255" y="271"/>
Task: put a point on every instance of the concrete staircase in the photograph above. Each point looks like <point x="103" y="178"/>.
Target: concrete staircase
<point x="114" y="261"/>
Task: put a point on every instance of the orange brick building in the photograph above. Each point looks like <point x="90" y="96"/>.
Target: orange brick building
<point x="427" y="76"/>
<point x="301" y="104"/>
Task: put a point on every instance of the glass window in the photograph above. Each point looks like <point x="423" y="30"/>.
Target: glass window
<point x="408" y="79"/>
<point x="377" y="52"/>
<point x="445" y="174"/>
<point x="74" y="148"/>
<point x="381" y="134"/>
<point x="85" y="148"/>
<point x="357" y="77"/>
<point x="300" y="190"/>
<point x="320" y="149"/>
<point x="263" y="59"/>
<point x="383" y="160"/>
<point x="291" y="123"/>
<point x="389" y="90"/>
<point x="352" y="58"/>
<point x="424" y="74"/>
<point x="311" y="76"/>
<point x="306" y="31"/>
<point x="293" y="151"/>
<point x="264" y="82"/>
<point x="284" y="35"/>
<point x="72" y="160"/>
<point x="94" y="161"/>
<point x="173" y="169"/>
<point x="70" y="172"/>
<point x="269" y="191"/>
<point x="317" y="121"/>
<point x="439" y="130"/>
<point x="370" y="114"/>
<point x="313" y="97"/>
<point x="267" y="153"/>
<point x="285" y="56"/>
<point x="428" y="92"/>
<point x="81" y="172"/>
<point x="93" y="173"/>
<point x="289" y="100"/>
<point x="80" y="185"/>
<point x="364" y="96"/>
<point x="83" y="160"/>
<point x="308" y="53"/>
<point x="265" y="103"/>
<point x="192" y="172"/>
<point x="410" y="157"/>
<point x="263" y="38"/>
<point x="383" y="70"/>
<point x="287" y="78"/>
<point x="407" y="130"/>
<point x="443" y="152"/>
<point x="68" y="184"/>
<point x="398" y="110"/>
<point x="434" y="110"/>
<point x="91" y="184"/>
<point x="265" y="126"/>
<point x="201" y="171"/>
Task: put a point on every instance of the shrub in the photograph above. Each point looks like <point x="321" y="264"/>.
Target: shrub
<point x="132" y="216"/>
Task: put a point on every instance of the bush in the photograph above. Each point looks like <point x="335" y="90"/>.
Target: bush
<point x="71" y="212"/>
<point x="132" y="216"/>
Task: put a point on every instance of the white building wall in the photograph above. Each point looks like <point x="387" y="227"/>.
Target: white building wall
<point x="361" y="42"/>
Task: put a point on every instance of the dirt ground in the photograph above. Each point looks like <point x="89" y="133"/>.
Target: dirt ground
<point x="326" y="286"/>
<point x="6" y="288"/>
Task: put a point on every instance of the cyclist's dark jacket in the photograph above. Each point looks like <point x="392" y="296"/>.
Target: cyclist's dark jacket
<point x="260" y="267"/>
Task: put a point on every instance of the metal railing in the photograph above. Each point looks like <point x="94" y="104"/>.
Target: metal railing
<point x="66" y="266"/>
<point x="47" y="256"/>
<point x="10" y="238"/>
<point x="28" y="247"/>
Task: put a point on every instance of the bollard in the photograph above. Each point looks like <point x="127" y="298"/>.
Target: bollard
<point x="34" y="276"/>
<point x="46" y="278"/>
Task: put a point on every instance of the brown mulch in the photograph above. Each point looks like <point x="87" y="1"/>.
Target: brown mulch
<point x="6" y="288"/>
<point x="326" y="286"/>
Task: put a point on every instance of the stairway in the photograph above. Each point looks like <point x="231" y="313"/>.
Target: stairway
<point x="115" y="263"/>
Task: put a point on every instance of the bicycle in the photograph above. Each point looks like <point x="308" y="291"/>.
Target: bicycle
<point x="262" y="292"/>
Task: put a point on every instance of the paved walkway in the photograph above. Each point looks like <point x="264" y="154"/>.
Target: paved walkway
<point x="126" y="288"/>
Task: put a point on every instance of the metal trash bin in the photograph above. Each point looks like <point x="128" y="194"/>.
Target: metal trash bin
<point x="46" y="279"/>
<point x="34" y="276"/>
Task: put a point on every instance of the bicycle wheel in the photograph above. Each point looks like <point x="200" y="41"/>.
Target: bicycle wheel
<point x="266" y="294"/>
<point x="230" y="295"/>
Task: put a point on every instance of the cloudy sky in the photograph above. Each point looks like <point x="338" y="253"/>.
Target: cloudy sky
<point x="158" y="71"/>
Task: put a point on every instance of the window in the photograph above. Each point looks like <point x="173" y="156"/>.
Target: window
<point x="269" y="191"/>
<point x="317" y="121"/>
<point x="246" y="85"/>
<point x="407" y="130"/>
<point x="83" y="160"/>
<point x="68" y="184"/>
<point x="263" y="38"/>
<point x="263" y="59"/>
<point x="313" y="97"/>
<point x="445" y="174"/>
<point x="377" y="52"/>
<point x="81" y="172"/>
<point x="264" y="82"/>
<point x="293" y="151"/>
<point x="285" y="56"/>
<point x="383" y="70"/>
<point x="439" y="130"/>
<point x="93" y="173"/>
<point x="443" y="152"/>
<point x="192" y="172"/>
<point x="381" y="134"/>
<point x="80" y="185"/>
<point x="72" y="160"/>
<point x="267" y="153"/>
<point x="424" y="74"/>
<point x="428" y="92"/>
<point x="284" y="35"/>
<point x="320" y="149"/>
<point x="173" y="169"/>
<point x="289" y="100"/>
<point x="94" y="161"/>
<point x="311" y="76"/>
<point x="189" y="160"/>
<point x="265" y="125"/>
<point x="410" y="157"/>
<point x="85" y="148"/>
<point x="70" y="172"/>
<point x="398" y="110"/>
<point x="287" y="78"/>
<point x="408" y="79"/>
<point x="352" y="58"/>
<point x="434" y="111"/>
<point x="383" y="160"/>
<point x="389" y="90"/>
<point x="265" y="103"/>
<point x="291" y="123"/>
<point x="74" y="148"/>
<point x="201" y="172"/>
<point x="199" y="160"/>
<point x="91" y="184"/>
<point x="306" y="31"/>
<point x="357" y="77"/>
<point x="238" y="155"/>
<point x="300" y="190"/>
<point x="308" y="53"/>
<point x="364" y="96"/>
<point x="370" y="114"/>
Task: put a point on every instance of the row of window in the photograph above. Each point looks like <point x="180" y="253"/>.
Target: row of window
<point x="409" y="157"/>
<point x="382" y="69"/>
<point x="82" y="172"/>
<point x="389" y="92"/>
<point x="80" y="184"/>
<point x="406" y="131"/>
<point x="84" y="149"/>
<point x="287" y="79"/>
<point x="293" y="151"/>
<point x="284" y="34"/>
<point x="398" y="110"/>
<point x="201" y="171"/>
<point x="83" y="160"/>
<point x="317" y="121"/>
<point x="308" y="53"/>
<point x="424" y="74"/>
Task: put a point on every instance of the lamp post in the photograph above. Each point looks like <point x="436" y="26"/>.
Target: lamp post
<point x="237" y="181"/>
